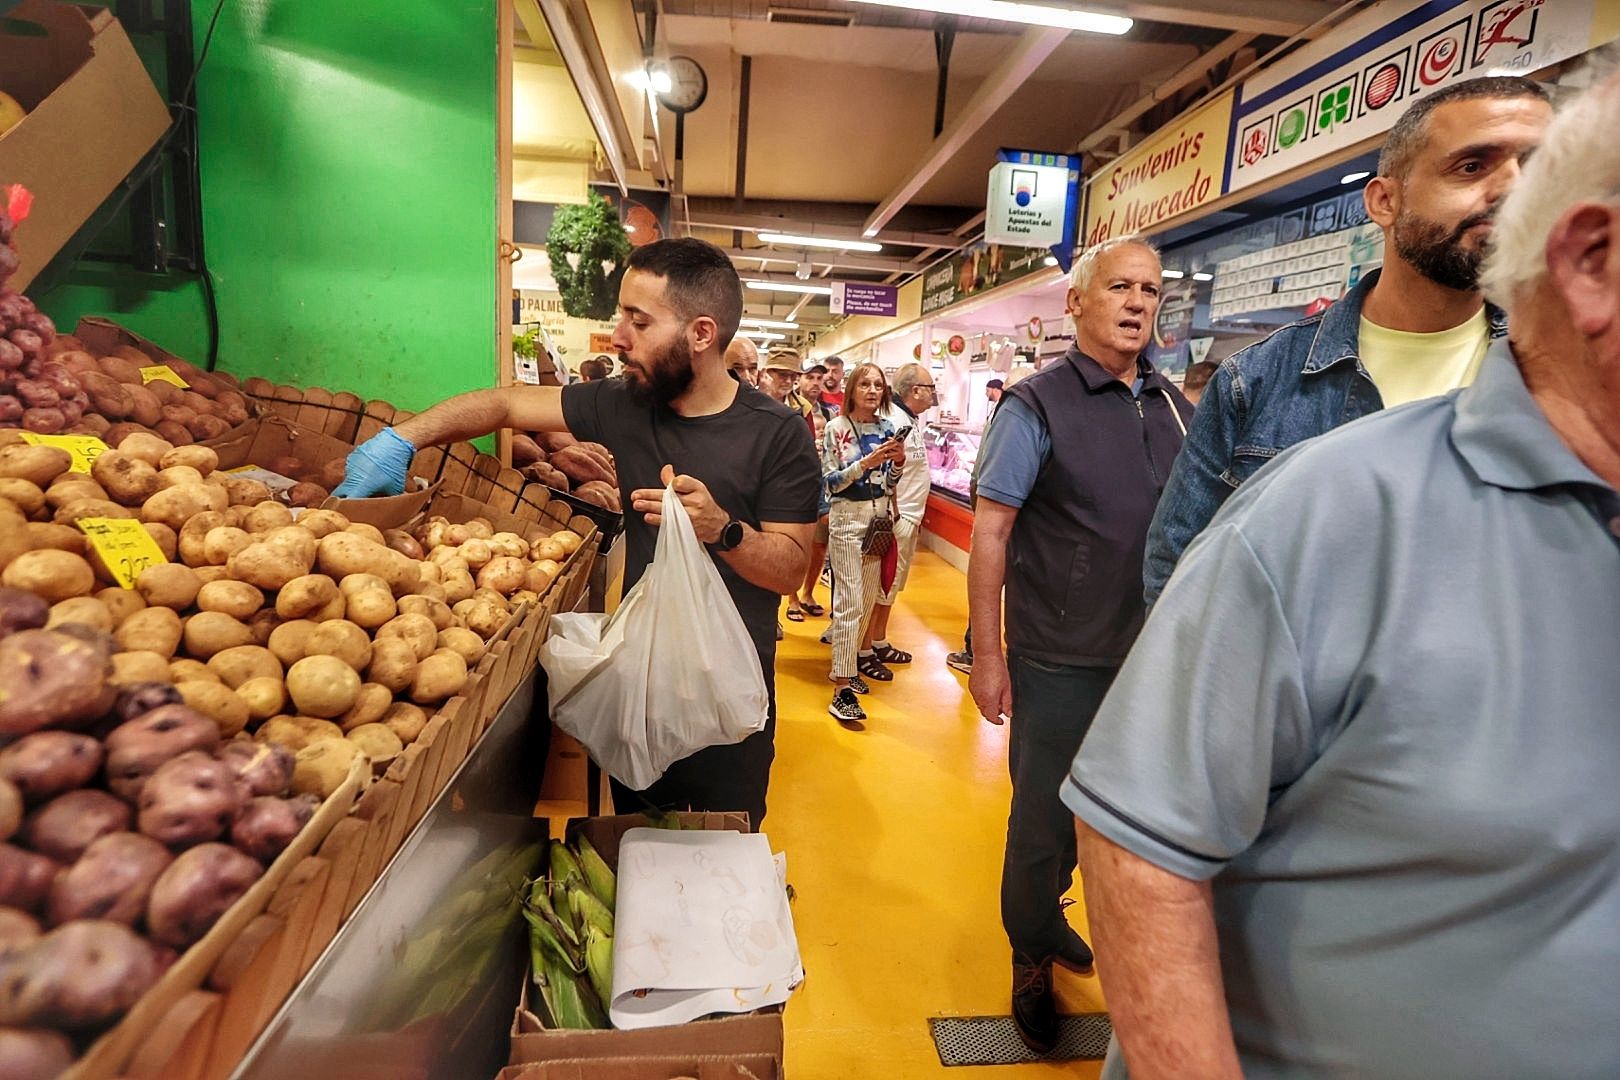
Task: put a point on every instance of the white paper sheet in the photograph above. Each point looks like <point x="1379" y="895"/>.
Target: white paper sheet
<point x="702" y="926"/>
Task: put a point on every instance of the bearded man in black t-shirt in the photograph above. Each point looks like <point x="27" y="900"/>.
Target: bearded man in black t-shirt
<point x="743" y="465"/>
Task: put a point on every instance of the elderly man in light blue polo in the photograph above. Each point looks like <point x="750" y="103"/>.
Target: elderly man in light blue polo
<point x="1350" y="807"/>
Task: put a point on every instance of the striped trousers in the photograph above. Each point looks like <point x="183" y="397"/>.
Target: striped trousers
<point x="856" y="581"/>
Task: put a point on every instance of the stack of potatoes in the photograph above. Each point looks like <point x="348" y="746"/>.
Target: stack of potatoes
<point x="322" y="635"/>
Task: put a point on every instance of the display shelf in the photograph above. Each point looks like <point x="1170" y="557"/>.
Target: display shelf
<point x="423" y="978"/>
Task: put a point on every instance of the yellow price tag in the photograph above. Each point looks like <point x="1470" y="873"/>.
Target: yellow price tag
<point x="125" y="547"/>
<point x="84" y="448"/>
<point x="163" y="373"/>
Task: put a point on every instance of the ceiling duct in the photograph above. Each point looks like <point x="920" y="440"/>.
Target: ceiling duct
<point x="806" y="17"/>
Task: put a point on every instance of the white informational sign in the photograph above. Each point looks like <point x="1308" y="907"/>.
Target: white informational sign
<point x="1355" y="81"/>
<point x="1028" y="199"/>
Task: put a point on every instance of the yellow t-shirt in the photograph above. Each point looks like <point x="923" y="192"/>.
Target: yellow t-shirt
<point x="1409" y="367"/>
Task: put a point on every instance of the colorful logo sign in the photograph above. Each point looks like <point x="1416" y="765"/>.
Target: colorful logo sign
<point x="1440" y="57"/>
<point x="1505" y="27"/>
<point x="1294" y="123"/>
<point x="957" y="345"/>
<point x="1024" y="184"/>
<point x="1383" y="86"/>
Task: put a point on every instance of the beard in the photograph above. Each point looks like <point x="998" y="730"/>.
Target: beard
<point x="1438" y="254"/>
<point x="666" y="378"/>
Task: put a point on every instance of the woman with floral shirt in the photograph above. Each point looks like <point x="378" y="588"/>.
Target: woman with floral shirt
<point x="860" y="459"/>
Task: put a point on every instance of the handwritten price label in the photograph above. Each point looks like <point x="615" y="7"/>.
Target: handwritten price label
<point x="125" y="547"/>
<point x="84" y="448"/>
<point x="163" y="373"/>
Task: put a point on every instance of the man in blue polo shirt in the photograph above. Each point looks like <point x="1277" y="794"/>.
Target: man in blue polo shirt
<point x="1349" y="808"/>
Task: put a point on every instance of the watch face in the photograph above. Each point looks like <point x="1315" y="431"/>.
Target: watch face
<point x="688" y="85"/>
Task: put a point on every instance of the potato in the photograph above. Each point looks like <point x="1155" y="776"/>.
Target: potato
<point x="237" y="599"/>
<point x="369" y="707"/>
<point x="306" y="494"/>
<point x="193" y="537"/>
<point x="480" y="529"/>
<point x="44" y="535"/>
<point x="524" y="596"/>
<point x="290" y="641"/>
<point x="173" y="506"/>
<point x="243" y="492"/>
<point x="295" y="542"/>
<point x="403" y="542"/>
<point x="210" y="632"/>
<point x="430" y="572"/>
<point x="21" y="611"/>
<point x="53" y="678"/>
<point x="141" y="666"/>
<point x="463" y="641"/>
<point x="368" y="606"/>
<point x="71" y="487"/>
<point x="218" y="702"/>
<point x="368" y="532"/>
<point x="509" y="544"/>
<point x="568" y="540"/>
<point x="322" y="686"/>
<point x="34" y="1053"/>
<point x="197" y="888"/>
<point x="503" y="573"/>
<point x="418" y="630"/>
<point x="80" y="976"/>
<point x="189" y="800"/>
<point x="25" y="880"/>
<point x="188" y="670"/>
<point x="222" y="542"/>
<point x="151" y="629"/>
<point x="266" y="516"/>
<point x="52" y="575"/>
<point x="238" y="664"/>
<point x="120" y="603"/>
<point x="377" y="742"/>
<point x="147" y="447"/>
<point x="126" y="478"/>
<point x="321" y="768"/>
<point x="86" y="610"/>
<point x="168" y="585"/>
<point x="305" y="595"/>
<point x="476" y="553"/>
<point x="267" y="825"/>
<point x="265" y="697"/>
<point x="25" y="495"/>
<point x="64" y="827"/>
<point x="112" y="880"/>
<point x="39" y="465"/>
<point x="393" y="663"/>
<point x="440" y="676"/>
<point x="11" y="816"/>
<point x="321" y="523"/>
<point x="136" y="749"/>
<point x="296" y="732"/>
<point x="548" y="549"/>
<point x="262" y="624"/>
<point x="47" y="763"/>
<point x="175" y="475"/>
<point x="458" y="586"/>
<point x="483" y="616"/>
<point x="164" y="537"/>
<point x="343" y="640"/>
<point x="200" y="458"/>
<point x="261" y="768"/>
<point x="405" y="720"/>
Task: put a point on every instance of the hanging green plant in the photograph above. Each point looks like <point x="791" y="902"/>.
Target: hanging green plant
<point x="588" y="248"/>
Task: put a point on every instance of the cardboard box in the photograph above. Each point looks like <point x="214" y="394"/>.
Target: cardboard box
<point x="260" y="442"/>
<point x="644" y="1052"/>
<point x="102" y="336"/>
<point x="662" y="1067"/>
<point x="93" y="113"/>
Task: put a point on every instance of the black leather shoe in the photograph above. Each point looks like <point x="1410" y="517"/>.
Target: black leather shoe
<point x="1034" y="1009"/>
<point x="1074" y="954"/>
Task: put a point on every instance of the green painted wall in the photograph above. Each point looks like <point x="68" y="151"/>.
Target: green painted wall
<point x="349" y="188"/>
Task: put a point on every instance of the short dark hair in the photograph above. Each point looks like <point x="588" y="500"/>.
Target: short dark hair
<point x="994" y="384"/>
<point x="1407" y="137"/>
<point x="597" y="367"/>
<point x="701" y="280"/>
<point x="831" y="360"/>
<point x="1199" y="374"/>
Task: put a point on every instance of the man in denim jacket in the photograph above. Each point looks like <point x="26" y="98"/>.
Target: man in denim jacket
<point x="1416" y="329"/>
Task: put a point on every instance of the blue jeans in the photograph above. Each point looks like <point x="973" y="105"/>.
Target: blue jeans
<point x="1052" y="709"/>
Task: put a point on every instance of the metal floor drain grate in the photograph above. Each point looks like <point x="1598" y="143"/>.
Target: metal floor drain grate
<point x="993" y="1040"/>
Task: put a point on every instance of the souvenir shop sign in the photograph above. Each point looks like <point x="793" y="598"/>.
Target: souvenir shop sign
<point x="1176" y="170"/>
<point x="977" y="268"/>
<point x="1355" y="82"/>
<point x="1031" y="198"/>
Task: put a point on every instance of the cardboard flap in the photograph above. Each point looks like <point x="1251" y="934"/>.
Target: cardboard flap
<point x="42" y="44"/>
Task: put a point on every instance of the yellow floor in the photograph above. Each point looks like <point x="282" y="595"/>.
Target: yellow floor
<point x="894" y="838"/>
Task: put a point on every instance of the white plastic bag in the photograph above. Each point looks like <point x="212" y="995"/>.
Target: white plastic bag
<point x="672" y="671"/>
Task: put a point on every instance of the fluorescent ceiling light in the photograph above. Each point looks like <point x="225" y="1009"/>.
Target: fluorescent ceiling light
<point x="779" y="324"/>
<point x="1350" y="178"/>
<point x="1005" y="11"/>
<point x="652" y="81"/>
<point x="1203" y="277"/>
<point x="796" y="240"/>
<point x="764" y="335"/>
<point x="1050" y="260"/>
<point x="1174" y="275"/>
<point x="790" y="286"/>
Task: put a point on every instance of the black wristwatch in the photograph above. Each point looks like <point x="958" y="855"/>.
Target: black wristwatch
<point x="730" y="536"/>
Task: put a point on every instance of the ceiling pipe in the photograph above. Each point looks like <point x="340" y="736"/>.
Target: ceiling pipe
<point x="1034" y="46"/>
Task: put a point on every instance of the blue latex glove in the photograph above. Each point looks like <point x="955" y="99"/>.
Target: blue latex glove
<point x="377" y="466"/>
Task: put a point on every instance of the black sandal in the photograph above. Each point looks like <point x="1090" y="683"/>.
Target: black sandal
<point x="891" y="655"/>
<point x="873" y="668"/>
<point x="795" y="615"/>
